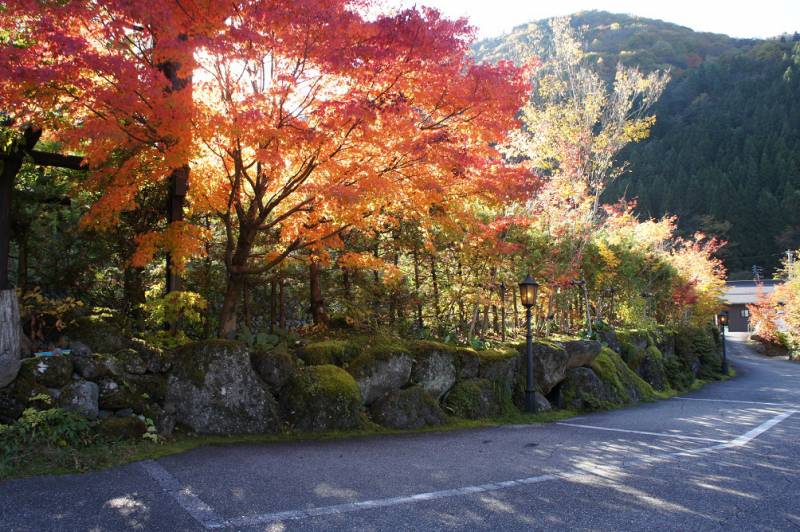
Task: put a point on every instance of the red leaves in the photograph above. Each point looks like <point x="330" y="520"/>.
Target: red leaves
<point x="286" y="102"/>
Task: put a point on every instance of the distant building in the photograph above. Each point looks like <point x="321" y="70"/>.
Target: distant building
<point x="738" y="295"/>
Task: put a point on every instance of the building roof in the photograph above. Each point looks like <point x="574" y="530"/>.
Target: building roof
<point x="747" y="292"/>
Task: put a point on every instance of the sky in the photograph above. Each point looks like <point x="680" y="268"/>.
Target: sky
<point x="737" y="18"/>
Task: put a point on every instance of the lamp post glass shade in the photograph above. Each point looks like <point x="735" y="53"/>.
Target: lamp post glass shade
<point x="723" y="318"/>
<point x="528" y="291"/>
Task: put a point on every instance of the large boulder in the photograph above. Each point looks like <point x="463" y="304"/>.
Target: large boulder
<point x="499" y="366"/>
<point x="322" y="397"/>
<point x="117" y="394"/>
<point x="467" y="363"/>
<point x="214" y="390"/>
<point x="50" y="372"/>
<point x="121" y="428"/>
<point x="608" y="336"/>
<point x="131" y="361"/>
<point x="338" y="352"/>
<point x="151" y="388"/>
<point x="620" y="381"/>
<point x="274" y="366"/>
<point x="82" y="398"/>
<point x="10" y="407"/>
<point x="475" y="398"/>
<point x="409" y="408"/>
<point x="155" y="360"/>
<point x="379" y="373"/>
<point x="651" y="368"/>
<point x="434" y="370"/>
<point x="665" y="342"/>
<point x="582" y="389"/>
<point x="581" y="352"/>
<point x="549" y="365"/>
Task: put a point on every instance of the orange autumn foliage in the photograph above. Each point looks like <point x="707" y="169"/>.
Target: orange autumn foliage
<point x="299" y="120"/>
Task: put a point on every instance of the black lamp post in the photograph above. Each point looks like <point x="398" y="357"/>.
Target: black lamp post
<point x="723" y="322"/>
<point x="528" y="291"/>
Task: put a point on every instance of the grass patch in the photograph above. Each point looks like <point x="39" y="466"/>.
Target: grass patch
<point x="57" y="460"/>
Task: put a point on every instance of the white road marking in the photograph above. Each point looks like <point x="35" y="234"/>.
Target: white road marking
<point x="262" y="519"/>
<point x="205" y="515"/>
<point x="659" y="434"/>
<point x="194" y="506"/>
<point x="756" y="432"/>
<point x="728" y="401"/>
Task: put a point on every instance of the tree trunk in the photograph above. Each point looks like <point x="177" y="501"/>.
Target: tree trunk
<point x="10" y="337"/>
<point x="10" y="166"/>
<point x="436" y="311"/>
<point x="176" y="197"/>
<point x="282" y="304"/>
<point x="502" y="313"/>
<point x="516" y="313"/>
<point x="228" y="314"/>
<point x="346" y="282"/>
<point x="134" y="293"/>
<point x="317" y="302"/>
<point x="273" y="304"/>
<point x="420" y="324"/>
<point x="22" y="260"/>
<point x="475" y="314"/>
<point x="246" y="303"/>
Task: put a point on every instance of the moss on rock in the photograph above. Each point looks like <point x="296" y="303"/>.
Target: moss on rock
<point x="584" y="390"/>
<point x="338" y="352"/>
<point x="99" y="334"/>
<point x="275" y="366"/>
<point x="215" y="390"/>
<point x="50" y="372"/>
<point x="322" y="397"/>
<point x="409" y="408"/>
<point x="624" y="385"/>
<point x="121" y="428"/>
<point x="476" y="398"/>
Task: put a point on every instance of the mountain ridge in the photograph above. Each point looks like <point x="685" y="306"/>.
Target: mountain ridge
<point x="724" y="154"/>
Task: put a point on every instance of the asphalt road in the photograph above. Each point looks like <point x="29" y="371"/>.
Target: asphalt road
<point x="724" y="458"/>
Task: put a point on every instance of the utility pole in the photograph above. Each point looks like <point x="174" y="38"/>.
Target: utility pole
<point x="757" y="271"/>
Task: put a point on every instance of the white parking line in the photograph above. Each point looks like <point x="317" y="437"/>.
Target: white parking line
<point x="729" y="401"/>
<point x="206" y="516"/>
<point x="262" y="519"/>
<point x="194" y="506"/>
<point x="645" y="433"/>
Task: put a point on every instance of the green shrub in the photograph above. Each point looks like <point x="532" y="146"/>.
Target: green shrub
<point x="679" y="375"/>
<point x="53" y="427"/>
<point x="700" y="342"/>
